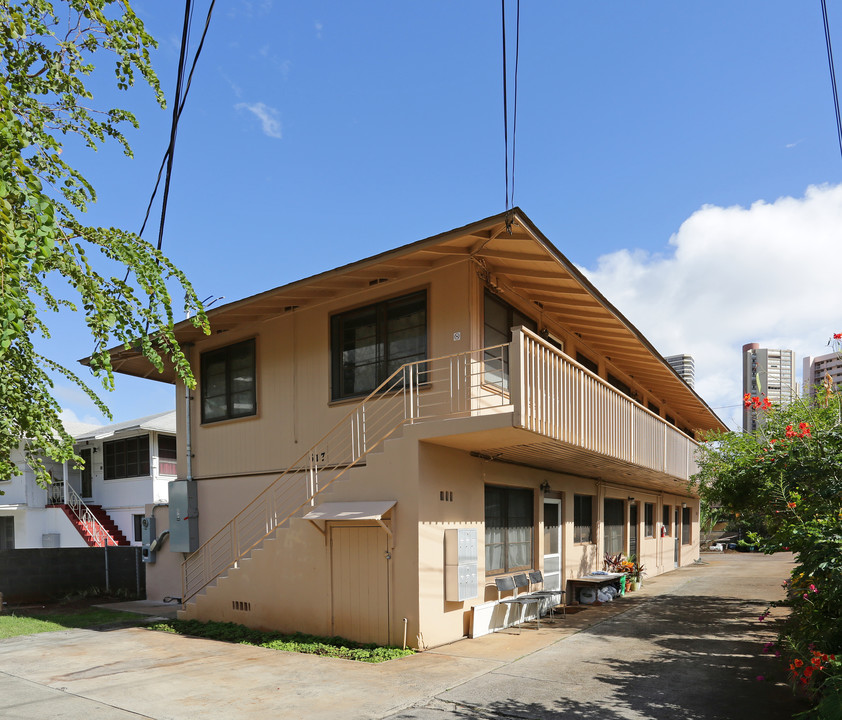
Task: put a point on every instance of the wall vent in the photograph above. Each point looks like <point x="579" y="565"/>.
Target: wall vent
<point x="241" y="606"/>
<point x="446" y="495"/>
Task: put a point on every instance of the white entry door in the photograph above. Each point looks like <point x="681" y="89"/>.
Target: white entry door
<point x="552" y="544"/>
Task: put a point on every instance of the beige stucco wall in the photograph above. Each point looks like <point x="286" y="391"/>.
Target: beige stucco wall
<point x="444" y="469"/>
<point x="293" y="370"/>
<point x="163" y="577"/>
<point x="286" y="584"/>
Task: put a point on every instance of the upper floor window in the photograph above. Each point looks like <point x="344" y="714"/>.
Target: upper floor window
<point x="126" y="458"/>
<point x="500" y="318"/>
<point x="619" y="384"/>
<point x="368" y="344"/>
<point x="585" y="361"/>
<point x="167" y="455"/>
<point x="228" y="382"/>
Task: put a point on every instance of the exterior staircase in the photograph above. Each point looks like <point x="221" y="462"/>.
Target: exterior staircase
<point x="92" y="522"/>
<point x="458" y="385"/>
<point x="112" y="535"/>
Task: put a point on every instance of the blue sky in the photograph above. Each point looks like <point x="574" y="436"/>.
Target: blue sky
<point x="683" y="154"/>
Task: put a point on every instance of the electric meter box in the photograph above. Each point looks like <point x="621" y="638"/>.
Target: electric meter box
<point x="184" y="516"/>
<point x="147" y="537"/>
<point x="460" y="564"/>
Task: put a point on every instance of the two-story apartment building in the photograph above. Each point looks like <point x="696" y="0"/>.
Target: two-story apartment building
<point x="347" y="426"/>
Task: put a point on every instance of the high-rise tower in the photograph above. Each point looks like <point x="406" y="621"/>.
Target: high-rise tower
<point x="816" y="369"/>
<point x="769" y="372"/>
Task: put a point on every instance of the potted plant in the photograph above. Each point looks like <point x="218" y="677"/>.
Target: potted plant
<point x="635" y="573"/>
<point x="617" y="564"/>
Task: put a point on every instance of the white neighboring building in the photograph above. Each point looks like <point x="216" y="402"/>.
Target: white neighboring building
<point x="685" y="366"/>
<point x="127" y="466"/>
<point x="27" y="520"/>
<point x="816" y="369"/>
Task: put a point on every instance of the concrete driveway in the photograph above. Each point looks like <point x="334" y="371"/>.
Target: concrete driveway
<point x="689" y="645"/>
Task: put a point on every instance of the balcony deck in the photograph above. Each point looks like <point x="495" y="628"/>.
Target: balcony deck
<point x="560" y="416"/>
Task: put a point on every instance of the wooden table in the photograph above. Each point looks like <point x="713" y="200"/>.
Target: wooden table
<point x="598" y="581"/>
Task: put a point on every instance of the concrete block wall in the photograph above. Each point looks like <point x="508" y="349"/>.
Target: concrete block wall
<point x="42" y="574"/>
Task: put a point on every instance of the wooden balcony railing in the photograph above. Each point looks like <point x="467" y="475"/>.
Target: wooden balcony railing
<point x="557" y="397"/>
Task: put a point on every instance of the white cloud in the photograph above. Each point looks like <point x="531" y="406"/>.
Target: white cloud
<point x="766" y="274"/>
<point x="71" y="420"/>
<point x="319" y="27"/>
<point x="268" y="117"/>
<point x="236" y="89"/>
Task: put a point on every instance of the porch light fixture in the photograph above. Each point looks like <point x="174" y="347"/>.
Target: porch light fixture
<point x="631" y="499"/>
<point x="684" y="505"/>
<point x="545" y="486"/>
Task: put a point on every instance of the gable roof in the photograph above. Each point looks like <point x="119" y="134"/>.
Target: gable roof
<point x="160" y="422"/>
<point x="513" y="255"/>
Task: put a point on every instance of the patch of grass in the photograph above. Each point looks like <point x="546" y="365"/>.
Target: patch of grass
<point x="296" y="642"/>
<point x="23" y="624"/>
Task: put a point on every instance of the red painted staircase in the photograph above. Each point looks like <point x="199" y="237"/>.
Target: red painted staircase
<point x="115" y="537"/>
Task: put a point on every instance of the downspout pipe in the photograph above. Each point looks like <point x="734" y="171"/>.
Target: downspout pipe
<point x="188" y="419"/>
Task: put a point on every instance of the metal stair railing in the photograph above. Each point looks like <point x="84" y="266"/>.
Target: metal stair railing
<point x="89" y="521"/>
<point x="460" y="385"/>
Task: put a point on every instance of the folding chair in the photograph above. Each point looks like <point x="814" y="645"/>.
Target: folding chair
<point x="536" y="577"/>
<point x="505" y="584"/>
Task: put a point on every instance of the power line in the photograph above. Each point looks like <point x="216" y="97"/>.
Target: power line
<point x="510" y="197"/>
<point x="514" y="109"/>
<point x="178" y="108"/>
<point x="185" y="39"/>
<point x="505" y="105"/>
<point x="165" y="158"/>
<point x="832" y="74"/>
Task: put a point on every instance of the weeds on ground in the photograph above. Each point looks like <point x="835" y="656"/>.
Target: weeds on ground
<point x="296" y="642"/>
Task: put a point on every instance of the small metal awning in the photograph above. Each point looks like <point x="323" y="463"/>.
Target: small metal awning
<point x="364" y="510"/>
<point x="361" y="510"/>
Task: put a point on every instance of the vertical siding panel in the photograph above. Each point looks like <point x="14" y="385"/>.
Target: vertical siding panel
<point x="360" y="583"/>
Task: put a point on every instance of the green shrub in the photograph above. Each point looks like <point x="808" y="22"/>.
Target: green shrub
<point x="336" y="647"/>
<point x="786" y="478"/>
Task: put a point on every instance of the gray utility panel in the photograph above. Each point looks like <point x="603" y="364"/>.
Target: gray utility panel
<point x="147" y="537"/>
<point x="460" y="564"/>
<point x="184" y="516"/>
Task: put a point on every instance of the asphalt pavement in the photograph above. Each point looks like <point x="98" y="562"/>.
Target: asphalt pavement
<point x="688" y="645"/>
